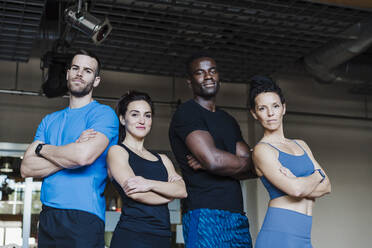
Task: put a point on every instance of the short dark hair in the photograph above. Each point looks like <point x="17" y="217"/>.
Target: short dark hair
<point x="90" y="54"/>
<point x="260" y="84"/>
<point x="195" y="56"/>
<point x="122" y="107"/>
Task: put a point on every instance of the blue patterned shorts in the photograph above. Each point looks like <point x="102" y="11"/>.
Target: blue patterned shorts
<point x="207" y="228"/>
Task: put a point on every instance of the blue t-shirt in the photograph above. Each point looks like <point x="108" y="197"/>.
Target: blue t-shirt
<point x="81" y="188"/>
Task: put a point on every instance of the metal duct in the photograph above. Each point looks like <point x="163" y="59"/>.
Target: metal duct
<point x="327" y="64"/>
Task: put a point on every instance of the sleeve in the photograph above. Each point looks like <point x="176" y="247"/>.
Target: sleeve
<point x="104" y="120"/>
<point x="40" y="132"/>
<point x="186" y="120"/>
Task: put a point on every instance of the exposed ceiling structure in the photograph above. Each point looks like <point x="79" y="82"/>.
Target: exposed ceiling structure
<point x="156" y="36"/>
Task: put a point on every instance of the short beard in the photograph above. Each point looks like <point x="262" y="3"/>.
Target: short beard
<point x="82" y="92"/>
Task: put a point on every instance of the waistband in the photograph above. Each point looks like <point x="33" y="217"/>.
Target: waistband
<point x="288" y="221"/>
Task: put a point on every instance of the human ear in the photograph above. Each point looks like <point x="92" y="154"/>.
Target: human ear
<point x="122" y="120"/>
<point x="188" y="81"/>
<point x="253" y="113"/>
<point x="97" y="80"/>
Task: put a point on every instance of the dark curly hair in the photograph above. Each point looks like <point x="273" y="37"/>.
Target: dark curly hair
<point x="260" y="84"/>
<point x="122" y="106"/>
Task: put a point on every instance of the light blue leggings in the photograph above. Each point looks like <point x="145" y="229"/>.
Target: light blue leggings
<point x="283" y="228"/>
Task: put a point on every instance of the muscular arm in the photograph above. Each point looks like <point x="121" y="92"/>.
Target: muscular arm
<point x="243" y="150"/>
<point x="267" y="163"/>
<point x="120" y="170"/>
<point x="75" y="155"/>
<point x="216" y="161"/>
<point x="34" y="166"/>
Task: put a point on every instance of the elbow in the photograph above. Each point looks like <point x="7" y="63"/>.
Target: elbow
<point x="183" y="194"/>
<point x="298" y="192"/>
<point x="329" y="189"/>
<point x="85" y="158"/>
<point x="24" y="171"/>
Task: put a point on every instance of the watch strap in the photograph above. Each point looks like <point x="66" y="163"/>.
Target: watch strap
<point x="38" y="149"/>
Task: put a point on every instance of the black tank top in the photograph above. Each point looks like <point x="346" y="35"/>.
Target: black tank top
<point x="140" y="217"/>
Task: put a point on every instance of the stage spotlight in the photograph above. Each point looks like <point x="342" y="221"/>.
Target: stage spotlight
<point x="87" y="23"/>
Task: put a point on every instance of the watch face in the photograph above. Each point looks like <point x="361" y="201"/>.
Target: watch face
<point x="38" y="149"/>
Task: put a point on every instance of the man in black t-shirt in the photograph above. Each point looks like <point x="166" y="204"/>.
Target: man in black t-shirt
<point x="213" y="156"/>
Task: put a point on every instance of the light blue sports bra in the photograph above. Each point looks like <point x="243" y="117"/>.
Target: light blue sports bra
<point x="300" y="166"/>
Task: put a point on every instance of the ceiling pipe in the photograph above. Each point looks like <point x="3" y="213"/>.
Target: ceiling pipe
<point x="327" y="64"/>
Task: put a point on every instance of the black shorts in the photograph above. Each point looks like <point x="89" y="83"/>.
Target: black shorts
<point x="124" y="238"/>
<point x="66" y="228"/>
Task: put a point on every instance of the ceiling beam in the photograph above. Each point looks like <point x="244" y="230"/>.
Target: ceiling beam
<point x="364" y="4"/>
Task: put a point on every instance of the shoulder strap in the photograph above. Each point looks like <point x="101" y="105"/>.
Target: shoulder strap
<point x="270" y="145"/>
<point x="156" y="155"/>
<point x="125" y="147"/>
<point x="299" y="146"/>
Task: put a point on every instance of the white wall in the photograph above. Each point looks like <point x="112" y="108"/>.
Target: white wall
<point x="342" y="147"/>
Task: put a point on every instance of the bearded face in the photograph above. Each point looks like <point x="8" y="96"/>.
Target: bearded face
<point x="81" y="77"/>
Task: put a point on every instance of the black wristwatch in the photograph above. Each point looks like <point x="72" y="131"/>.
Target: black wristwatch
<point x="38" y="149"/>
<point x="322" y="174"/>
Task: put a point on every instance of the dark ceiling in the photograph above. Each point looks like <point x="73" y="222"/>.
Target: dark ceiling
<point x="156" y="36"/>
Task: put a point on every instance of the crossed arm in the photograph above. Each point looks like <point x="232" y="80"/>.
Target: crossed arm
<point x="324" y="187"/>
<point x="143" y="190"/>
<point x="83" y="152"/>
<point x="208" y="157"/>
<point x="267" y="164"/>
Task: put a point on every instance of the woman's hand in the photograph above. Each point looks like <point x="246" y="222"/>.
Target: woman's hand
<point x="174" y="178"/>
<point x="137" y="184"/>
<point x="86" y="135"/>
<point x="287" y="172"/>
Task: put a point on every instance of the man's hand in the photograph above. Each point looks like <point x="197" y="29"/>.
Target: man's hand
<point x="193" y="163"/>
<point x="86" y="135"/>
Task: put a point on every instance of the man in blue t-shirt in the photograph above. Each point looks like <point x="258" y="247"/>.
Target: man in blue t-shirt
<point x="213" y="156"/>
<point x="69" y="153"/>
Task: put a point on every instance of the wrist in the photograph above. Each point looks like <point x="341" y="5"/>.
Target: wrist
<point x="150" y="184"/>
<point x="321" y="173"/>
<point x="38" y="149"/>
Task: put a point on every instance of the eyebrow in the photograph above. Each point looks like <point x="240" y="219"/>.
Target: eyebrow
<point x="148" y="112"/>
<point x="200" y="69"/>
<point x="83" y="67"/>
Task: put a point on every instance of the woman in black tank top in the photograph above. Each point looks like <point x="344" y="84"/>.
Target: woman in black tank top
<point x="146" y="182"/>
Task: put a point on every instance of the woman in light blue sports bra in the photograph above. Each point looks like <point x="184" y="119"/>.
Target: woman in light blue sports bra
<point x="287" y="169"/>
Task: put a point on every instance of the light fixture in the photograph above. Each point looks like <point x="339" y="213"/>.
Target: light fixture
<point x="6" y="167"/>
<point x="87" y="23"/>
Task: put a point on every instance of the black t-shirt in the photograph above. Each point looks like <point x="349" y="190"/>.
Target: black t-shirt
<point x="206" y="190"/>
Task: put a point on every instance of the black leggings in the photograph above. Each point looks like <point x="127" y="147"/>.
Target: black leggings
<point x="124" y="238"/>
